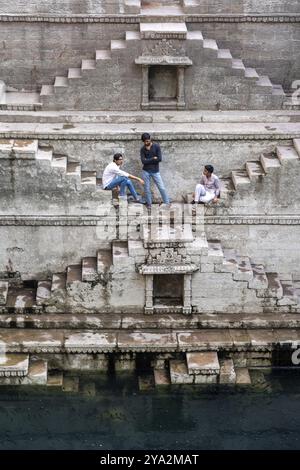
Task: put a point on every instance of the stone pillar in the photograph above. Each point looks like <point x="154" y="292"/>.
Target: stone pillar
<point x="145" y="81"/>
<point x="187" y="294"/>
<point x="149" y="294"/>
<point x="180" y="85"/>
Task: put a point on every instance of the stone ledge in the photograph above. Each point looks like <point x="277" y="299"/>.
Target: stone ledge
<point x="78" y="221"/>
<point x="136" y="19"/>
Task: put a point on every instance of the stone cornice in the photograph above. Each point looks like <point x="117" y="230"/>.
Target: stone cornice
<point x="123" y="136"/>
<point x="135" y="19"/>
<point x="74" y="221"/>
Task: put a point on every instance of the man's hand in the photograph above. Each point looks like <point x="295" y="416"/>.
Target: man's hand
<point x="215" y="200"/>
<point x="154" y="158"/>
<point x="141" y="181"/>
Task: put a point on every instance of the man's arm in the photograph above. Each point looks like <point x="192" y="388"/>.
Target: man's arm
<point x="147" y="161"/>
<point x="136" y="178"/>
<point x="158" y="155"/>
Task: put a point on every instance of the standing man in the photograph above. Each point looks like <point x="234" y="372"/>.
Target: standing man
<point x="114" y="177"/>
<point x="150" y="157"/>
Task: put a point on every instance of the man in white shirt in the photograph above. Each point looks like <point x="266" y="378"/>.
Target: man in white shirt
<point x="114" y="177"/>
<point x="209" y="188"/>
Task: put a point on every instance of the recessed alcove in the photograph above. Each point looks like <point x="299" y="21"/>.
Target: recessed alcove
<point x="168" y="289"/>
<point x="163" y="83"/>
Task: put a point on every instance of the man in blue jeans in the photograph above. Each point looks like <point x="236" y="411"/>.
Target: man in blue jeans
<point x="114" y="177"/>
<point x="150" y="157"/>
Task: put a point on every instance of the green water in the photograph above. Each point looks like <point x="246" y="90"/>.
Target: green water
<point x="107" y="415"/>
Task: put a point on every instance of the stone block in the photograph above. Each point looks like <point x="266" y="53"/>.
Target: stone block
<point x="14" y="365"/>
<point x="162" y="377"/>
<point x="90" y="362"/>
<point x="71" y="384"/>
<point x="227" y="372"/>
<point x="6" y="146"/>
<point x="243" y="376"/>
<point x="146" y="382"/>
<point x="206" y="379"/>
<point x="179" y="372"/>
<point x="3" y="292"/>
<point x="90" y="342"/>
<point x="37" y="372"/>
<point x="205" y="363"/>
<point x="25" y="149"/>
<point x="55" y="379"/>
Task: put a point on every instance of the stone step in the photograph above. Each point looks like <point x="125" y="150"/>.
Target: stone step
<point x="162" y="377"/>
<point x="74" y="169"/>
<point x="240" y="179"/>
<point x="269" y="162"/>
<point x="88" y="64"/>
<point x="210" y="44"/>
<point x="74" y="273"/>
<point x="203" y="363"/>
<point x="89" y="269"/>
<point x="20" y="298"/>
<point x="264" y="81"/>
<point x="61" y="82"/>
<point x="120" y="253"/>
<point x="6" y="146"/>
<point x="60" y="162"/>
<point x="25" y="149"/>
<point x="55" y="379"/>
<point x="215" y="252"/>
<point x="37" y="372"/>
<point x="103" y="54"/>
<point x="227" y="372"/>
<point x="47" y="90"/>
<point x="43" y="292"/>
<point x="278" y="90"/>
<point x="132" y="36"/>
<point x="89" y="178"/>
<point x="117" y="44"/>
<point x="14" y="365"/>
<point x="242" y="376"/>
<point x="179" y="373"/>
<point x="74" y="73"/>
<point x="194" y="36"/>
<point x="104" y="261"/>
<point x="297" y="145"/>
<point x="3" y="292"/>
<point x="58" y="283"/>
<point x="21" y="101"/>
<point x="168" y="30"/>
<point x="274" y="289"/>
<point x="44" y="154"/>
<point x="244" y="272"/>
<point x="238" y="64"/>
<point x="289" y="295"/>
<point x="259" y="279"/>
<point x="251" y="73"/>
<point x="225" y="56"/>
<point x="287" y="154"/>
<point x="230" y="262"/>
<point x="254" y="170"/>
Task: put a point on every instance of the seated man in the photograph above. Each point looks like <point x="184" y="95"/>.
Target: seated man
<point x="209" y="188"/>
<point x="114" y="177"/>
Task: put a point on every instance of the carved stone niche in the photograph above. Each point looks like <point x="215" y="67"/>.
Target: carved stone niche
<point x="163" y="81"/>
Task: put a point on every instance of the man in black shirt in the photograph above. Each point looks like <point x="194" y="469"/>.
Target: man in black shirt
<point x="150" y="157"/>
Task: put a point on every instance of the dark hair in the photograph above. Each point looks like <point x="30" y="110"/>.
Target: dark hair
<point x="117" y="156"/>
<point x="209" y="168"/>
<point x="146" y="136"/>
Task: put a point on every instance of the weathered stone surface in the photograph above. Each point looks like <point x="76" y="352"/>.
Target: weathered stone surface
<point x="206" y="379"/>
<point x="204" y="339"/>
<point x="55" y="379"/>
<point x="90" y="342"/>
<point x="37" y="372"/>
<point x="243" y="376"/>
<point x="13" y="365"/>
<point x="179" y="373"/>
<point x="70" y="384"/>
<point x="145" y="341"/>
<point x="205" y="363"/>
<point x="227" y="372"/>
<point x="162" y="377"/>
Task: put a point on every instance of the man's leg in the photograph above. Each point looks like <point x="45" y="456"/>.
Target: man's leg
<point x="147" y="179"/>
<point x="117" y="181"/>
<point x="128" y="183"/>
<point x="161" y="187"/>
<point x="199" y="191"/>
<point x="207" y="198"/>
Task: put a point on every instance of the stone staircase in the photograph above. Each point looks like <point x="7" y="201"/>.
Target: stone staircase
<point x="269" y="164"/>
<point x="46" y="157"/>
<point x="260" y="84"/>
<point x="82" y="287"/>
